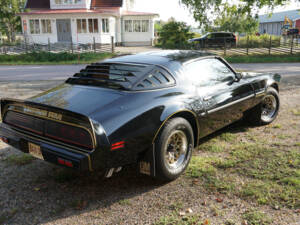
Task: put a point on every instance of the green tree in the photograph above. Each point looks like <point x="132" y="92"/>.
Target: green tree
<point x="174" y="35"/>
<point x="232" y="19"/>
<point x="10" y="23"/>
<point x="203" y="10"/>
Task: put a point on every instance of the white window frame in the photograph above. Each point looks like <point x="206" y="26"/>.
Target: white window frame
<point x="137" y="26"/>
<point x="46" y="26"/>
<point x="36" y="30"/>
<point x="105" y="25"/>
<point x="67" y="2"/>
<point x="128" y="26"/>
<point x="81" y="26"/>
<point x="93" y="25"/>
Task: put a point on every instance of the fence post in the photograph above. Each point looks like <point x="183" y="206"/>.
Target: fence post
<point x="292" y="44"/>
<point x="247" y="45"/>
<point x="94" y="44"/>
<point x="224" y="46"/>
<point x="26" y="46"/>
<point x="270" y="44"/>
<point x="49" y="45"/>
<point x="72" y="49"/>
<point x="112" y="45"/>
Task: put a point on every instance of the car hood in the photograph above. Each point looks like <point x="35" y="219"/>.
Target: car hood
<point x="77" y="98"/>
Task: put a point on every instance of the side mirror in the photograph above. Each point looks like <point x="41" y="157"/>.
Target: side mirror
<point x="238" y="76"/>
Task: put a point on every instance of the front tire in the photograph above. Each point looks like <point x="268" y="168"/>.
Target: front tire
<point x="267" y="111"/>
<point x="173" y="149"/>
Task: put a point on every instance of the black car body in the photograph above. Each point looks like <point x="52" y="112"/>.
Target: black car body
<point x="294" y="31"/>
<point x="215" y="39"/>
<point x="114" y="112"/>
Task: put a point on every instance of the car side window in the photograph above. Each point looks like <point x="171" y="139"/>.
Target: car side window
<point x="209" y="72"/>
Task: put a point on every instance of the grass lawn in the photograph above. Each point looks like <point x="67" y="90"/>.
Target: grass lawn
<point x="263" y="58"/>
<point x="45" y="58"/>
<point x="52" y="58"/>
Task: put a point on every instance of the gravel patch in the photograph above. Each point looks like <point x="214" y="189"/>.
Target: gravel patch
<point x="42" y="193"/>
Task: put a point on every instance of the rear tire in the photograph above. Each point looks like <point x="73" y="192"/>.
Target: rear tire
<point x="173" y="149"/>
<point x="267" y="111"/>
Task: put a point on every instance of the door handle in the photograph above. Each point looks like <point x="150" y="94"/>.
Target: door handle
<point x="207" y="98"/>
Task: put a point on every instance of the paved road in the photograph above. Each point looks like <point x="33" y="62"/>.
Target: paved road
<point x="61" y="72"/>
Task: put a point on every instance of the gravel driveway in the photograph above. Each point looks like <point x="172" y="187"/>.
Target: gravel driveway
<point x="35" y="192"/>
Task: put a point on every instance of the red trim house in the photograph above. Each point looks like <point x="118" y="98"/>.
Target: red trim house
<point x="82" y="21"/>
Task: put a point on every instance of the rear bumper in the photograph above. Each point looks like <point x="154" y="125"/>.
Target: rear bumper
<point x="51" y="152"/>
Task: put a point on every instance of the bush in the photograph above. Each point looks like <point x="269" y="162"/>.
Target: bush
<point x="175" y="35"/>
<point x="46" y="57"/>
<point x="262" y="41"/>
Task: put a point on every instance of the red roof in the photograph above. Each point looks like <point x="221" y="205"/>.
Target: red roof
<point x="131" y="13"/>
<point x="70" y="11"/>
<point x="106" y="3"/>
<point x="37" y="4"/>
<point x="45" y="4"/>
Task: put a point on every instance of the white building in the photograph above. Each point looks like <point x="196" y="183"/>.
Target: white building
<point x="82" y="21"/>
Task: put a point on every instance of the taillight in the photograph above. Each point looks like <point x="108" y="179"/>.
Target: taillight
<point x="69" y="134"/>
<point x="118" y="145"/>
<point x="62" y="132"/>
<point x="29" y="123"/>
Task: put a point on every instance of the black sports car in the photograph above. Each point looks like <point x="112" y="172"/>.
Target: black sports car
<point x="150" y="109"/>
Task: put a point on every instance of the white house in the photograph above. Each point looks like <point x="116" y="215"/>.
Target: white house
<point x="80" y="21"/>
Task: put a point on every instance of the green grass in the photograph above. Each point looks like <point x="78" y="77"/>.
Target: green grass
<point x="125" y="202"/>
<point x="270" y="176"/>
<point x="296" y="112"/>
<point x="52" y="58"/>
<point x="263" y="58"/>
<point x="175" y="219"/>
<point x="256" y="218"/>
<point x="19" y="160"/>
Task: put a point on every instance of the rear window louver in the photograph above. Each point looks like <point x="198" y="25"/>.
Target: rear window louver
<point x="130" y="76"/>
<point x="156" y="79"/>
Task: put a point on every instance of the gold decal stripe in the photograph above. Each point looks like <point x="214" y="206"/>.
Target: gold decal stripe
<point x="49" y="118"/>
<point x="185" y="110"/>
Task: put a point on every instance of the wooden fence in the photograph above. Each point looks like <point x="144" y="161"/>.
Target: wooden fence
<point x="279" y="46"/>
<point x="28" y="47"/>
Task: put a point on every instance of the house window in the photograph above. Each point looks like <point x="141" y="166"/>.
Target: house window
<point x="67" y="2"/>
<point x="93" y="26"/>
<point x="34" y="26"/>
<point x="105" y="25"/>
<point x="128" y="26"/>
<point x="81" y="26"/>
<point x="46" y="26"/>
<point x="145" y="25"/>
<point x="137" y="26"/>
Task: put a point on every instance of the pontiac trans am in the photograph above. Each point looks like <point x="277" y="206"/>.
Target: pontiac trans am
<point x="149" y="109"/>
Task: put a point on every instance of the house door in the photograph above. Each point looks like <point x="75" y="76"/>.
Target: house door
<point x="64" y="30"/>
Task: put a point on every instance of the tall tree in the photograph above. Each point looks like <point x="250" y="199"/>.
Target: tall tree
<point x="205" y="10"/>
<point x="10" y="23"/>
<point x="232" y="19"/>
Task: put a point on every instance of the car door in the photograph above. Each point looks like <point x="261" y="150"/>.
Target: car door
<point x="225" y="98"/>
<point x="209" y="40"/>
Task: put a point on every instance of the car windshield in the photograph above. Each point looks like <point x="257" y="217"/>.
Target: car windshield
<point x="111" y="75"/>
<point x="205" y="35"/>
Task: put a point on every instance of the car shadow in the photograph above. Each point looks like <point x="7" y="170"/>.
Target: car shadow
<point x="56" y="193"/>
<point x="52" y="192"/>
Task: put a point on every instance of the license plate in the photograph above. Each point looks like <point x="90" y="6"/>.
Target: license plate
<point x="35" y="150"/>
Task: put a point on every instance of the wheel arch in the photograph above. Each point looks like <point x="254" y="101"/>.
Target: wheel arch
<point x="275" y="85"/>
<point x="190" y="116"/>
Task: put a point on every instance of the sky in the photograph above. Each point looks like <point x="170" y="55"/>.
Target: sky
<point x="172" y="8"/>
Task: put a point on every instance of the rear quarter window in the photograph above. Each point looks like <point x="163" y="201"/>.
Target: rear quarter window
<point x="157" y="78"/>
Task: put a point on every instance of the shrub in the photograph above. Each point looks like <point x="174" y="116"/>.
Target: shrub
<point x="262" y="41"/>
<point x="175" y="35"/>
